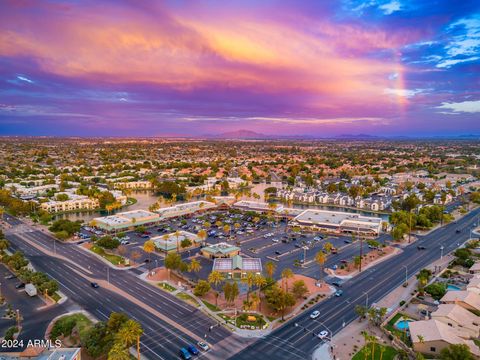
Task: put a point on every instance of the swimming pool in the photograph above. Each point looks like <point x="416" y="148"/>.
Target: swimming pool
<point x="402" y="324"/>
<point x="453" y="287"/>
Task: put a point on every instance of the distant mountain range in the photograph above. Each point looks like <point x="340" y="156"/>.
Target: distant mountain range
<point x="244" y="134"/>
<point x="239" y="134"/>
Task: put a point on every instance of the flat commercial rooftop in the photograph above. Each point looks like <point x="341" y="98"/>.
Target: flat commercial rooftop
<point x="238" y="263"/>
<point x="126" y="219"/>
<point x="256" y="205"/>
<point x="337" y="218"/>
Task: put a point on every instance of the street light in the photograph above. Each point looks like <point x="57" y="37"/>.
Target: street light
<point x="441" y="252"/>
<point x="108" y="274"/>
<point x="366" y="300"/>
<point x="406" y="274"/>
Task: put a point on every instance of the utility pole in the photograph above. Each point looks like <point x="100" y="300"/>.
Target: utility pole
<point x="410" y="227"/>
<point x="361" y="249"/>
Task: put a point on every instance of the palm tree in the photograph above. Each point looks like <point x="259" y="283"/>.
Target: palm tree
<point x="165" y="239"/>
<point x="149" y="247"/>
<point x="194" y="266"/>
<point x="260" y="282"/>
<point x="270" y="268"/>
<point x="202" y="235"/>
<point x="321" y="258"/>
<point x="215" y="278"/>
<point x="382" y="350"/>
<point x="130" y="333"/>
<point x="249" y="280"/>
<point x="226" y="229"/>
<point x="255" y="300"/>
<point x="237" y="226"/>
<point x="287" y="273"/>
<point x="177" y="235"/>
<point x="118" y="352"/>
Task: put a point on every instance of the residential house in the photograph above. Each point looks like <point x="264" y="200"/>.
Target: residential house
<point x="459" y="318"/>
<point x="467" y="299"/>
<point x="431" y="336"/>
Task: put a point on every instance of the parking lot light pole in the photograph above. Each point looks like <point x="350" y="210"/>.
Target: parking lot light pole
<point x="366" y="300"/>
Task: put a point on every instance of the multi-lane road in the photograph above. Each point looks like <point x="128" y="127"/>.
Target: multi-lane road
<point x="298" y="342"/>
<point x="162" y="339"/>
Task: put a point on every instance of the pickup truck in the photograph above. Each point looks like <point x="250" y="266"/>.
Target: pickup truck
<point x="30" y="289"/>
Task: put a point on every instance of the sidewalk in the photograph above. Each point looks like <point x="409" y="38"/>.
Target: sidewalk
<point x="348" y="341"/>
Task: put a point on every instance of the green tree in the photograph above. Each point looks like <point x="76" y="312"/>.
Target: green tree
<point x="201" y="288"/>
<point x="270" y="268"/>
<point x="456" y="352"/>
<point x="278" y="299"/>
<point x="299" y="289"/>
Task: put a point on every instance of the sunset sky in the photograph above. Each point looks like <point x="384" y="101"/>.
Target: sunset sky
<point x="172" y="68"/>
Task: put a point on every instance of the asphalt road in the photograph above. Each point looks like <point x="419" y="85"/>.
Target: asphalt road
<point x="298" y="342"/>
<point x="161" y="340"/>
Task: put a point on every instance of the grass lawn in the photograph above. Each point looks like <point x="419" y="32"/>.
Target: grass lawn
<point x="243" y="320"/>
<point x="388" y="354"/>
<point x="114" y="259"/>
<point x="55" y="297"/>
<point x="65" y="325"/>
<point x="187" y="298"/>
<point x="398" y="333"/>
<point x="212" y="307"/>
<point x="166" y="287"/>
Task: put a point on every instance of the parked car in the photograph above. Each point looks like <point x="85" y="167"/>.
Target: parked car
<point x="203" y="346"/>
<point x="278" y="252"/>
<point x="184" y="354"/>
<point x="20" y="285"/>
<point x="420" y="247"/>
<point x="346" y="241"/>
<point x="94" y="285"/>
<point x="458" y="231"/>
<point x="315" y="314"/>
<point x="337" y="284"/>
<point x="339" y="293"/>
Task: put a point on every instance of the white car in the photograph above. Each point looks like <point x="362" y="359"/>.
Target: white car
<point x="203" y="346"/>
<point x="315" y="314"/>
<point x="322" y="334"/>
<point x="275" y="240"/>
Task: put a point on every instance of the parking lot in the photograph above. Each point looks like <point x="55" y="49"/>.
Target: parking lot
<point x="256" y="235"/>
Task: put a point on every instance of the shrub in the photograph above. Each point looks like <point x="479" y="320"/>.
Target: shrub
<point x="10" y="332"/>
<point x="201" y="288"/>
<point x="107" y="242"/>
<point x="436" y="290"/>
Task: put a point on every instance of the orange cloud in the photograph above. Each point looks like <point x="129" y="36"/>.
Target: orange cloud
<point x="184" y="53"/>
